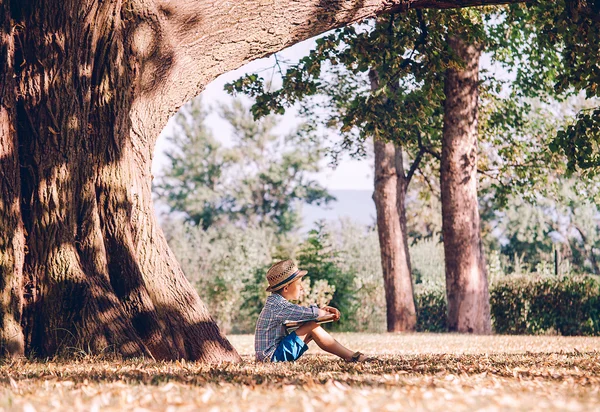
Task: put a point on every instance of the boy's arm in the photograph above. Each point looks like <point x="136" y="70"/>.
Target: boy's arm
<point x="300" y="313"/>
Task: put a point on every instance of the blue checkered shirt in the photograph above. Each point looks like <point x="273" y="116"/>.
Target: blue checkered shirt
<point x="269" y="327"/>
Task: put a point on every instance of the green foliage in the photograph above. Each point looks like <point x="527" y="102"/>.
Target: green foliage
<point x="580" y="141"/>
<point x="562" y="221"/>
<point x="407" y="54"/>
<point x="427" y="261"/>
<point x="319" y="292"/>
<point x="358" y="251"/>
<point x="253" y="295"/>
<point x="431" y="309"/>
<point x="554" y="49"/>
<point x="529" y="304"/>
<point x="227" y="265"/>
<point x="262" y="180"/>
<point x="534" y="305"/>
<point x="320" y="259"/>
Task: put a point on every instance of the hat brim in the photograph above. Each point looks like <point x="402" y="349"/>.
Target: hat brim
<point x="300" y="274"/>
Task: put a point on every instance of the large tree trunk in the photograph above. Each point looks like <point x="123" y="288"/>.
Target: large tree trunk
<point x="94" y="84"/>
<point x="466" y="276"/>
<point x="12" y="240"/>
<point x="99" y="270"/>
<point x="389" y="197"/>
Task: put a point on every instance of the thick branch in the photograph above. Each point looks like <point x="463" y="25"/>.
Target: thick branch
<point x="184" y="45"/>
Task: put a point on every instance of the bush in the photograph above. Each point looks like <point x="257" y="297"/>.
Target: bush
<point x="525" y="305"/>
<point x="427" y="263"/>
<point x="358" y="254"/>
<point x="319" y="257"/>
<point x="431" y="309"/>
<point x="569" y="305"/>
<point x="228" y="268"/>
<point x="227" y="265"/>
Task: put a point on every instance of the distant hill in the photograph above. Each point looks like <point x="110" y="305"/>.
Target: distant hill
<point x="357" y="205"/>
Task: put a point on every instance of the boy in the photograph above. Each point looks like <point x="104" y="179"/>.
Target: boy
<point x="270" y="340"/>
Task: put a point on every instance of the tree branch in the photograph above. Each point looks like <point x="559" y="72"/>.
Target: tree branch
<point x="426" y="180"/>
<point x="417" y="161"/>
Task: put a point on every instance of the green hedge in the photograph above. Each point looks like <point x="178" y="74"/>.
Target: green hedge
<point x="569" y="305"/>
<point x="431" y="310"/>
<point x="566" y="305"/>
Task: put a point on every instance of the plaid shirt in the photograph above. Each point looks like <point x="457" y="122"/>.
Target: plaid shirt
<point x="269" y="327"/>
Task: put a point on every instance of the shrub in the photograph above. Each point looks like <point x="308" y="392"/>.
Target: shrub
<point x="569" y="305"/>
<point x="227" y="265"/>
<point x="358" y="254"/>
<point x="431" y="309"/>
<point x="228" y="268"/>
<point x="427" y="263"/>
<point x="319" y="257"/>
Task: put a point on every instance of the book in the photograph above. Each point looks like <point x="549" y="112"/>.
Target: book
<point x="292" y="325"/>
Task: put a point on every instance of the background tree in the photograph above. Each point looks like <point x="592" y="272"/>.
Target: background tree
<point x="261" y="180"/>
<point x="466" y="273"/>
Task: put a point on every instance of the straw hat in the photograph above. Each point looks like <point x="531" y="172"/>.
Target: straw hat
<point x="282" y="274"/>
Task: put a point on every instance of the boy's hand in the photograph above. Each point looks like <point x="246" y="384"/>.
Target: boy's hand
<point x="332" y="310"/>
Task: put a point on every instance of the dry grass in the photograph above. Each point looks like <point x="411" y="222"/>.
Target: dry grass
<point x="420" y="371"/>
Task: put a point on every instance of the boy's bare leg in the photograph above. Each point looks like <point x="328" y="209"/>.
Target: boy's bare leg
<point x="312" y="331"/>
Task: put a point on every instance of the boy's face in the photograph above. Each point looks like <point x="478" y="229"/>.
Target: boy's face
<point x="293" y="291"/>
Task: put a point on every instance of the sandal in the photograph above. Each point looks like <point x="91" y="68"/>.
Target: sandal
<point x="356" y="357"/>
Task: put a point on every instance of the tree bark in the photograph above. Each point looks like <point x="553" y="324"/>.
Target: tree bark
<point x="100" y="273"/>
<point x="87" y="86"/>
<point x="389" y="197"/>
<point x="466" y="275"/>
<point x="12" y="240"/>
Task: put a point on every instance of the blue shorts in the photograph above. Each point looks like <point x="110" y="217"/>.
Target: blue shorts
<point x="289" y="349"/>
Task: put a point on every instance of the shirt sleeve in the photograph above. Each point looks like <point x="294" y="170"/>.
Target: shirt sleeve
<point x="299" y="313"/>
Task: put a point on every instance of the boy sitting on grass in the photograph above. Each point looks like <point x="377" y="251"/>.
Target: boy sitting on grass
<point x="271" y="342"/>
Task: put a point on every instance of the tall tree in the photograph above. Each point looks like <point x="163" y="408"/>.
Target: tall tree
<point x="389" y="196"/>
<point x="466" y="275"/>
<point x="262" y="179"/>
<point x="95" y="83"/>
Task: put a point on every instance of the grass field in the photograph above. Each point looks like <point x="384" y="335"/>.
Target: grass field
<point x="417" y="371"/>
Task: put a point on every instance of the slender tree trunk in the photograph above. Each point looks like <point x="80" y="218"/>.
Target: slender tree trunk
<point x="86" y="86"/>
<point x="401" y="189"/>
<point x="466" y="276"/>
<point x="389" y="198"/>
